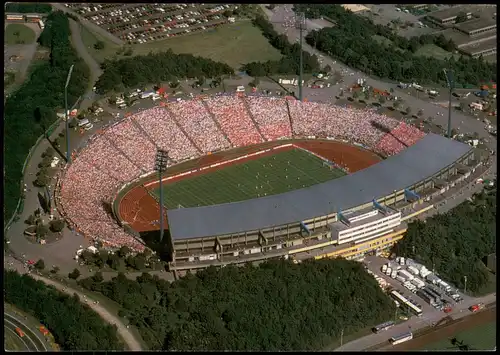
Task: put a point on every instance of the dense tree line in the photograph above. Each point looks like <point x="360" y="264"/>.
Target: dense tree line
<point x="154" y="67"/>
<point x="75" y="326"/>
<point x="32" y="109"/>
<point x="455" y="242"/>
<point x="289" y="63"/>
<point x="27" y="8"/>
<point x="351" y="40"/>
<point x="277" y="306"/>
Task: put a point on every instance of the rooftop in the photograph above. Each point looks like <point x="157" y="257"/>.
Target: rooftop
<point x="448" y="13"/>
<point x="479" y="47"/>
<point x="476" y="24"/>
<point x="425" y="158"/>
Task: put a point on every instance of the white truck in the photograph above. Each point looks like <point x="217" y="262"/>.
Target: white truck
<point x="394" y="273"/>
<point x="413" y="270"/>
<point x="400" y="279"/>
<point x="418" y="283"/>
<point x="388" y="272"/>
<point x="384" y="268"/>
<point x="402" y="261"/>
<point x="406" y="275"/>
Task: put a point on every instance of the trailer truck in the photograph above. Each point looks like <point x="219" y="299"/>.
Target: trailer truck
<point x="406" y="275"/>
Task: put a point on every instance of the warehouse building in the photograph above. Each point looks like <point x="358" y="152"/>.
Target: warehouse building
<point x="448" y="16"/>
<point x="476" y="27"/>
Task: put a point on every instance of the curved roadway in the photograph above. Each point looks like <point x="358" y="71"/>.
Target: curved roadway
<point x="32" y="339"/>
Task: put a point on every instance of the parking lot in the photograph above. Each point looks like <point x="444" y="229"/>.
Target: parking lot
<point x="375" y="265"/>
<point x="142" y="23"/>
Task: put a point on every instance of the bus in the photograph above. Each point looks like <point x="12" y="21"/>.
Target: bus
<point x="401" y="338"/>
<point x="406" y="304"/>
<point x="383" y="326"/>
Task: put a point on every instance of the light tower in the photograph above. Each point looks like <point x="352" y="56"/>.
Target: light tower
<point x="68" y="150"/>
<point x="161" y="166"/>
<point x="451" y="85"/>
<point x="300" y="24"/>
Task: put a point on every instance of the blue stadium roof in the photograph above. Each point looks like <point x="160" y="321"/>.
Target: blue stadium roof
<point x="424" y="159"/>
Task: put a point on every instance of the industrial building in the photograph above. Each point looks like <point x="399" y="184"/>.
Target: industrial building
<point x="357" y="214"/>
<point x="476" y="27"/>
<point x="448" y="16"/>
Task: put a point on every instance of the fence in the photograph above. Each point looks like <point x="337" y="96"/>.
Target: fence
<point x="20" y="205"/>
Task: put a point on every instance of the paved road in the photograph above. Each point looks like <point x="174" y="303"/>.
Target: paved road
<point x="90" y="25"/>
<point x="32" y="340"/>
<point x="60" y="252"/>
<point x="283" y="13"/>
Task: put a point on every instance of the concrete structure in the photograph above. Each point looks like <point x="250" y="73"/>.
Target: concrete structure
<point x="482" y="48"/>
<point x="355" y="7"/>
<point x="448" y="16"/>
<point x="477" y="26"/>
<point x="358" y="223"/>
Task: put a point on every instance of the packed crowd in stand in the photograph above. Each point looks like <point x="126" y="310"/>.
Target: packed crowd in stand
<point x="196" y="121"/>
<point x="126" y="149"/>
<point x="233" y="117"/>
<point x="165" y="132"/>
<point x="398" y="139"/>
<point x="272" y="117"/>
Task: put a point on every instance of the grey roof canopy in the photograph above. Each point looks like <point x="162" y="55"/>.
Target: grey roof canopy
<point x="425" y="158"/>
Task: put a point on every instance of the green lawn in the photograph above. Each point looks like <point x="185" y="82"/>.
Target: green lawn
<point x="269" y="175"/>
<point x="431" y="50"/>
<point x="482" y="337"/>
<point x="234" y="44"/>
<point x="16" y="33"/>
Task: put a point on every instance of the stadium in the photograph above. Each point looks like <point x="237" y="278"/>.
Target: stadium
<point x="252" y="178"/>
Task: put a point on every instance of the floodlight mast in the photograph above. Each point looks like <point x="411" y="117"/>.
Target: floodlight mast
<point x="300" y="22"/>
<point x="68" y="150"/>
<point x="161" y="161"/>
<point x="451" y="85"/>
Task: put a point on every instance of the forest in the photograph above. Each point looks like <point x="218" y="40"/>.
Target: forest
<point x="289" y="64"/>
<point x="30" y="111"/>
<point x="354" y="45"/>
<point x="28" y="8"/>
<point x="276" y="306"/>
<point x="454" y="243"/>
<point x="153" y="68"/>
<point x="74" y="325"/>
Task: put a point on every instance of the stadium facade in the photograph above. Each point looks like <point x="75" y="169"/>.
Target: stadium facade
<point x="359" y="213"/>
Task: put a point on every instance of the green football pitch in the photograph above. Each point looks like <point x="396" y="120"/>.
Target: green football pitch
<point x="270" y="175"/>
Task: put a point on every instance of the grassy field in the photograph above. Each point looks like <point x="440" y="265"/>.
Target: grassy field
<point x="269" y="175"/>
<point x="482" y="337"/>
<point x="431" y="50"/>
<point x="16" y="33"/>
<point x="234" y="44"/>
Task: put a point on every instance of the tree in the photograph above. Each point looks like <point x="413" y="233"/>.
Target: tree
<point x="381" y="99"/>
<point x="31" y="220"/>
<point x="74" y="274"/>
<point x="408" y="110"/>
<point x="98" y="278"/>
<point x="42" y="180"/>
<point x="40" y="265"/>
<point x="395" y="104"/>
<point x="461" y="17"/>
<point x="327" y="69"/>
<point x="41" y="230"/>
<point x="355" y="94"/>
<point x="55" y="270"/>
<point x="420" y="113"/>
<point x="57" y="225"/>
<point x="124" y="251"/>
<point x="99" y="45"/>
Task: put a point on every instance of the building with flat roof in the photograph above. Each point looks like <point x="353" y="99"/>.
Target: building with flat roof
<point x="483" y="48"/>
<point x="448" y="16"/>
<point x="477" y="26"/>
<point x="355" y="7"/>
